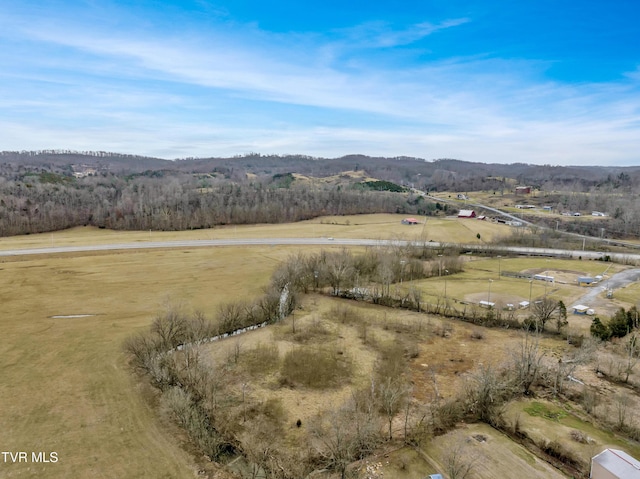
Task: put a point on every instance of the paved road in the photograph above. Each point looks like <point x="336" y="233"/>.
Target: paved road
<point x="551" y="252"/>
<point x="616" y="281"/>
<point x="193" y="244"/>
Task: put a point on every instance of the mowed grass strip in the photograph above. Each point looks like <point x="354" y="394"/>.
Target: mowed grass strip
<point x="65" y="384"/>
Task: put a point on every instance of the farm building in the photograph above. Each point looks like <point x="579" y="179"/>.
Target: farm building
<point x="544" y="277"/>
<point x="614" y="464"/>
<point x="585" y="281"/>
<point x="523" y="190"/>
<point x="582" y="309"/>
<point x="409" y="221"/>
<point x="486" y="304"/>
<point x="467" y="214"/>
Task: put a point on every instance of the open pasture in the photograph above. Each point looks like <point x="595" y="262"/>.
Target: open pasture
<point x="380" y="226"/>
<point x="65" y="384"/>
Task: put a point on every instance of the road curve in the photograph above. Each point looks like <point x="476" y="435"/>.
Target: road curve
<point x="627" y="258"/>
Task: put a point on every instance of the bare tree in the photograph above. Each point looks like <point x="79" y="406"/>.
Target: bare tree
<point x="258" y="445"/>
<point x="527" y="361"/>
<point x="339" y="268"/>
<point x="458" y="460"/>
<point x="343" y="436"/>
<point x="231" y="316"/>
<point x="392" y="392"/>
<point x="170" y="326"/>
<point x="543" y="310"/>
<point x="621" y="404"/>
<point x="335" y="442"/>
<point x="632" y="356"/>
<point x="567" y="365"/>
<point x="487" y="393"/>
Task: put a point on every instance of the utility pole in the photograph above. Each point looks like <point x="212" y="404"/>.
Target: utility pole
<point x="446" y="272"/>
<point x="489" y="297"/>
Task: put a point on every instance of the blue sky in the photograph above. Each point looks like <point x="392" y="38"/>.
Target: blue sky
<point x="546" y="82"/>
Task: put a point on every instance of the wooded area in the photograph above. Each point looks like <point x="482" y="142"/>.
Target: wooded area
<point x="53" y="190"/>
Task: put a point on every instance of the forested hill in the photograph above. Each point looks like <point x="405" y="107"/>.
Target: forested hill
<point x="440" y="174"/>
<point x="52" y="190"/>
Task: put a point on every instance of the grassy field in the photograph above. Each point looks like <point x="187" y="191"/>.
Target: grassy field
<point x="491" y="455"/>
<point x="382" y="226"/>
<point x="481" y="280"/>
<point x="65" y="383"/>
<point x="545" y="420"/>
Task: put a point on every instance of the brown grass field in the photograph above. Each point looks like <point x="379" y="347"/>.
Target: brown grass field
<point x="65" y="385"/>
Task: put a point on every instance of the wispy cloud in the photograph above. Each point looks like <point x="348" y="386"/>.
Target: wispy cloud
<point x="385" y="35"/>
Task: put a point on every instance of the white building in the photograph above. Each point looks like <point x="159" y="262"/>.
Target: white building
<point x="614" y="464"/>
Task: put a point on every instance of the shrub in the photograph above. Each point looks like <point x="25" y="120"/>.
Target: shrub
<point x="316" y="330"/>
<point x="477" y="334"/>
<point x="315" y="367"/>
<point x="344" y="314"/>
<point x="600" y="330"/>
<point x="262" y="359"/>
<point x="580" y="437"/>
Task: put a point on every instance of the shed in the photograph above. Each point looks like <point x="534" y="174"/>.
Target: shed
<point x="523" y="304"/>
<point x="580" y="309"/>
<point x="544" y="277"/>
<point x="585" y="280"/>
<point x="523" y="190"/>
<point x="614" y="464"/>
<point x="409" y="221"/>
<point x="467" y="214"/>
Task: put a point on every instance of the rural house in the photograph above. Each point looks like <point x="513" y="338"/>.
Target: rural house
<point x="614" y="464"/>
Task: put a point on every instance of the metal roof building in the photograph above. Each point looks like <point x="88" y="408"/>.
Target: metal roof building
<point x="614" y="464"/>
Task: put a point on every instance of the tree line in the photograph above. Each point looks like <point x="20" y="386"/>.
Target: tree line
<point x="41" y="201"/>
